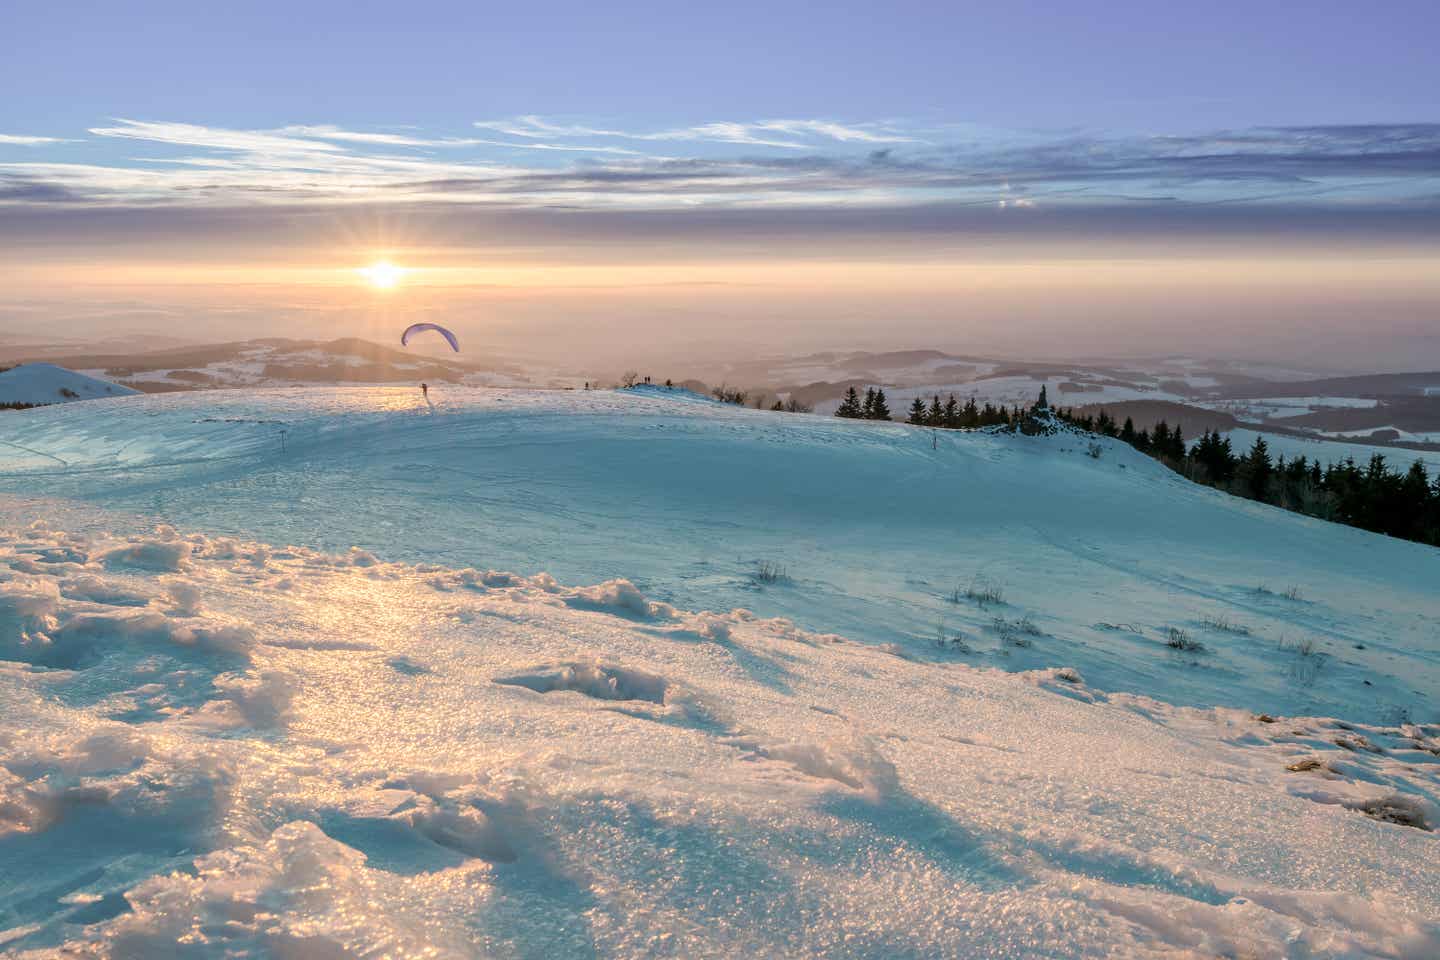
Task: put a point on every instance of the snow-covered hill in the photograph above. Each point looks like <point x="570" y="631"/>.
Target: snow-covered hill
<point x="707" y="713"/>
<point x="42" y="383"/>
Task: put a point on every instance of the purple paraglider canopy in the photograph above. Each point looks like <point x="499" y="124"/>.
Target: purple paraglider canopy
<point x="415" y="328"/>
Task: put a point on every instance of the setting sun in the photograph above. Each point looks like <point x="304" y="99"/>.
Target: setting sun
<point x="382" y="274"/>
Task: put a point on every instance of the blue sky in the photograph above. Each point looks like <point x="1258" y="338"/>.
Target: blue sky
<point x="912" y="103"/>
<point x="1125" y="64"/>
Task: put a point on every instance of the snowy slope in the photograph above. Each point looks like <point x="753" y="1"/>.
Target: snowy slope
<point x="46" y="383"/>
<point x="876" y="529"/>
<point x="395" y="750"/>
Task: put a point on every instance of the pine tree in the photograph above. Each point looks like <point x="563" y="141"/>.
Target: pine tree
<point x="1176" y="450"/>
<point x="879" y="408"/>
<point x="1160" y="438"/>
<point x="1042" y="403"/>
<point x="867" y="411"/>
<point x="1127" y="432"/>
<point x="935" y="416"/>
<point x="951" y="413"/>
<point x="850" y="406"/>
<point x="917" y="412"/>
<point x="1257" y="469"/>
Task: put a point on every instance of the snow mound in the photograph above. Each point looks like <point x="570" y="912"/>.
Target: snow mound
<point x="45" y="383"/>
<point x="594" y="680"/>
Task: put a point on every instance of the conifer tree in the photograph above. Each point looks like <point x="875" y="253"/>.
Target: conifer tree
<point x="1257" y="468"/>
<point x="850" y="406"/>
<point x="879" y="408"/>
<point x="917" y="412"/>
<point x="971" y="415"/>
<point x="935" y="416"/>
<point x="867" y="410"/>
<point x="951" y="413"/>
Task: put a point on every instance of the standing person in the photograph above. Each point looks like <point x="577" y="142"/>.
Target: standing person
<point x="425" y="391"/>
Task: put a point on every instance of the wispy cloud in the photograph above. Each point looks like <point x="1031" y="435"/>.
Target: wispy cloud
<point x="219" y="138"/>
<point x="536" y="162"/>
<point x="758" y="133"/>
<point x="327" y="132"/>
<point x="15" y="139"/>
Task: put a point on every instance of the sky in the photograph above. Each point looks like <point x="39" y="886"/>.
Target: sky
<point x="578" y="181"/>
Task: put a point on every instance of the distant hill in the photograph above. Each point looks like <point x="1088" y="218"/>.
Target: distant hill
<point x="43" y="383"/>
<point x="278" y="361"/>
<point x="1193" y="421"/>
<point x="1368" y="385"/>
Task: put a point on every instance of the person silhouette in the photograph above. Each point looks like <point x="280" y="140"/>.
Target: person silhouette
<point x="425" y="391"/>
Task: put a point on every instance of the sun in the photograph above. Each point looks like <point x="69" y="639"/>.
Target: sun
<point x="382" y="274"/>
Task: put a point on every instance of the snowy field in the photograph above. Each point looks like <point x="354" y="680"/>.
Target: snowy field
<point x="704" y="713"/>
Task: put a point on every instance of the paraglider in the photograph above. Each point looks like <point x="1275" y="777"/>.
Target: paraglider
<point x="415" y="328"/>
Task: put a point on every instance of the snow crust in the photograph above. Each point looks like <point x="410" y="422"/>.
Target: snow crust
<point x="281" y="740"/>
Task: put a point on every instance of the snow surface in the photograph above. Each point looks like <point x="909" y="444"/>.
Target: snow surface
<point x="47" y="383"/>
<point x="384" y="743"/>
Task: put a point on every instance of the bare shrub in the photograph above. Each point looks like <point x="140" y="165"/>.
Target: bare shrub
<point x="1177" y="639"/>
<point x="982" y="592"/>
<point x="630" y="378"/>
<point x="1309" y="659"/>
<point x="1015" y="632"/>
<point x="1224" y="624"/>
<point x="768" y="571"/>
<point x="1304" y="647"/>
<point x="1292" y="592"/>
<point x="727" y="394"/>
<point x="1094" y="451"/>
<point x="946" y="640"/>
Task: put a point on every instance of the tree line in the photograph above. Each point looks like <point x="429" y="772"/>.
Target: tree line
<point x="950" y="415"/>
<point x="1374" y="497"/>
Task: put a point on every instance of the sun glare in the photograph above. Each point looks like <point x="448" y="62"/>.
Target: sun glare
<point x="382" y="274"/>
